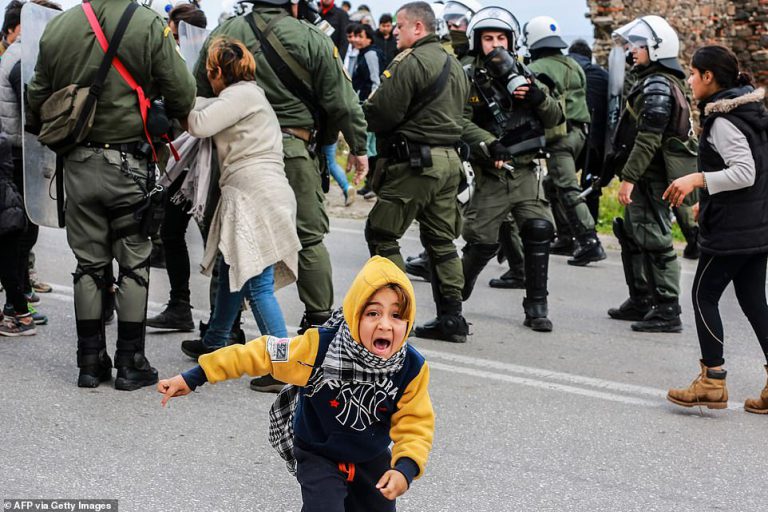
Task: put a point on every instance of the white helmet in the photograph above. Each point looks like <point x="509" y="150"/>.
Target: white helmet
<point x="543" y="32"/>
<point x="492" y="18"/>
<point x="441" y="27"/>
<point x="460" y="12"/>
<point x="655" y="33"/>
<point x="161" y="7"/>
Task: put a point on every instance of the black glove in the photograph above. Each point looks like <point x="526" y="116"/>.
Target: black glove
<point x="499" y="151"/>
<point x="534" y="96"/>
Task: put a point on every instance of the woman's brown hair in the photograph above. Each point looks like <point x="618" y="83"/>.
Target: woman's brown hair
<point x="233" y="58"/>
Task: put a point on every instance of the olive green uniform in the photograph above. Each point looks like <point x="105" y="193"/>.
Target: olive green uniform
<point x="653" y="267"/>
<point x="500" y="193"/>
<point x="315" y="53"/>
<point x="104" y="186"/>
<point x="427" y="194"/>
<point x="570" y="84"/>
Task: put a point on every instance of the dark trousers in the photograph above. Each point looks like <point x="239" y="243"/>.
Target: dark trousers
<point x="27" y="238"/>
<point x="9" y="276"/>
<point x="712" y="276"/>
<point x="330" y="486"/>
<point x="173" y="234"/>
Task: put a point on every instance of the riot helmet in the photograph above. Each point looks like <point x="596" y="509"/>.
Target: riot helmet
<point x="441" y="27"/>
<point x="654" y="33"/>
<point x="543" y="32"/>
<point x="495" y="19"/>
<point x="458" y="13"/>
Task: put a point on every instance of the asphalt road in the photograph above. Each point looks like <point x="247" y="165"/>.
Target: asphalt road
<point x="571" y="420"/>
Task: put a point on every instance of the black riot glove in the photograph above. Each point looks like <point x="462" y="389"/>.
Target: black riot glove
<point x="499" y="151"/>
<point x="534" y="96"/>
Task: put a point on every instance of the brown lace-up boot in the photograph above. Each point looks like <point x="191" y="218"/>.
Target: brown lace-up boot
<point x="758" y="405"/>
<point x="707" y="390"/>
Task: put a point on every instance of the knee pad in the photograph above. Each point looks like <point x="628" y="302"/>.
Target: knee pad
<point x="537" y="230"/>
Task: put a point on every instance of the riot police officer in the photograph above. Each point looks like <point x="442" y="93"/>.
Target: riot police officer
<point x="416" y="114"/>
<point x="653" y="144"/>
<point x="109" y="176"/>
<point x="564" y="143"/>
<point x="509" y="111"/>
<point x="302" y="76"/>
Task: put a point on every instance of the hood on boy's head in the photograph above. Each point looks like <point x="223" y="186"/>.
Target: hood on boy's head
<point x="376" y="273"/>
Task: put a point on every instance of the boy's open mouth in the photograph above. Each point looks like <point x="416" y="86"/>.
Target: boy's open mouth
<point x="381" y="345"/>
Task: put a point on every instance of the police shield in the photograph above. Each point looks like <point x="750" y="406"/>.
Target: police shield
<point x="616" y="70"/>
<point x="40" y="191"/>
<point x="191" y="39"/>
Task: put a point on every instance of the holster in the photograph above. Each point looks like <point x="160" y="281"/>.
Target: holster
<point x="399" y="149"/>
<point x="150" y="215"/>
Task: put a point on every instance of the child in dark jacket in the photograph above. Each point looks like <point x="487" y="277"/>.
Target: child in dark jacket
<point x="13" y="220"/>
<point x="355" y="386"/>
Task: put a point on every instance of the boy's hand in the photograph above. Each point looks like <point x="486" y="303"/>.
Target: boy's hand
<point x="170" y="388"/>
<point x="392" y="484"/>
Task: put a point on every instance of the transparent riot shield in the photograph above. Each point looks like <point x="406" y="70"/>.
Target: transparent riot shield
<point x="191" y="39"/>
<point x="40" y="189"/>
<point x="616" y="70"/>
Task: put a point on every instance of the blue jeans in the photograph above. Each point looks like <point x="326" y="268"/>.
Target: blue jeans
<point x="260" y="293"/>
<point x="336" y="171"/>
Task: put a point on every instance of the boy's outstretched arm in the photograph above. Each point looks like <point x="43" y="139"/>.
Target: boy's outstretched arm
<point x="289" y="360"/>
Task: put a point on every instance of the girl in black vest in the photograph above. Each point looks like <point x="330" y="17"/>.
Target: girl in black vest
<point x="733" y="216"/>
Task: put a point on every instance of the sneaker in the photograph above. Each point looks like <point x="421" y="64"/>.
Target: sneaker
<point x="38" y="286"/>
<point x="17" y="326"/>
<point x="195" y="348"/>
<point x="39" y="318"/>
<point x="32" y="297"/>
<point x="267" y="384"/>
<point x="349" y="196"/>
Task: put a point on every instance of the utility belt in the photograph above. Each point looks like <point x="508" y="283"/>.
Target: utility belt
<point x="299" y="133"/>
<point x="399" y="149"/>
<point x="140" y="150"/>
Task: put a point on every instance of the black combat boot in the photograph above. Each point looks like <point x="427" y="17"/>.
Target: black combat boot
<point x="633" y="309"/>
<point x="419" y="266"/>
<point x="92" y="359"/>
<point x="562" y="246"/>
<point x="133" y="368"/>
<point x="313" y="319"/>
<point x="177" y="315"/>
<point x="536" y="235"/>
<point x="514" y="278"/>
<point x="588" y="250"/>
<point x="475" y="257"/>
<point x="449" y="325"/>
<point x="663" y="317"/>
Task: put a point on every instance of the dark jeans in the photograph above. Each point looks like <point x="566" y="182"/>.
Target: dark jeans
<point x="9" y="277"/>
<point x="325" y="487"/>
<point x="712" y="276"/>
<point x="173" y="234"/>
<point x="27" y="238"/>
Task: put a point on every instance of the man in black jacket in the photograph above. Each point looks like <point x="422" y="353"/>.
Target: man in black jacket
<point x="338" y="19"/>
<point x="384" y="39"/>
<point x="591" y="158"/>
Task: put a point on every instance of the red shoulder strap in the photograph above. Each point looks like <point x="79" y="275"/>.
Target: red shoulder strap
<point x="144" y="103"/>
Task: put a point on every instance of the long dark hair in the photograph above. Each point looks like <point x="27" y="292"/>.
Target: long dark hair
<point x="723" y="64"/>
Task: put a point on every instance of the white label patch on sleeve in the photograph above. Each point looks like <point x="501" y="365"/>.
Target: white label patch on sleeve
<point x="278" y="349"/>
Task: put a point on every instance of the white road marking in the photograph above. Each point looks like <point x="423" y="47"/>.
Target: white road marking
<point x="581" y="385"/>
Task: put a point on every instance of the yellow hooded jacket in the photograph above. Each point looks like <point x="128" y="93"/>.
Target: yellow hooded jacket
<point x="403" y="410"/>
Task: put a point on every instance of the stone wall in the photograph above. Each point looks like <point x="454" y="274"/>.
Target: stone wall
<point x="742" y="25"/>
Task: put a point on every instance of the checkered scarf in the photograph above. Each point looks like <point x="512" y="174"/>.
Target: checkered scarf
<point x="347" y="363"/>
